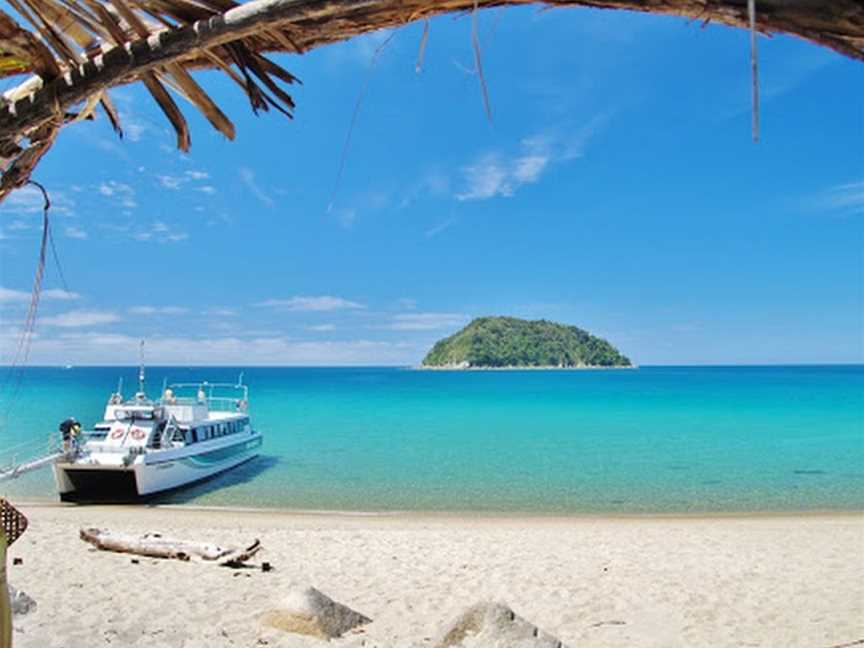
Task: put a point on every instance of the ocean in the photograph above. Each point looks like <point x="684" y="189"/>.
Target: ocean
<point x="648" y="440"/>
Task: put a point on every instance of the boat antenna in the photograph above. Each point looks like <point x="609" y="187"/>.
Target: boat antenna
<point x="120" y="386"/>
<point x="141" y="368"/>
<point x="240" y="380"/>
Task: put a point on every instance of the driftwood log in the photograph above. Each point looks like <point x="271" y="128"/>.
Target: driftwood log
<point x="106" y="43"/>
<point x="154" y="545"/>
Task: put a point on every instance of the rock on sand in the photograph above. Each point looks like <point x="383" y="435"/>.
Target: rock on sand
<point x="494" y="625"/>
<point x="310" y="612"/>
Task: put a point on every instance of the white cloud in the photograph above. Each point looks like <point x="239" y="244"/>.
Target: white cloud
<point x="170" y="182"/>
<point x="435" y="183"/>
<point x="79" y="318"/>
<point x="158" y="310"/>
<point x="207" y="189"/>
<point x="159" y="232"/>
<point x="75" y="232"/>
<point x="322" y="327"/>
<point x="427" y="321"/>
<point x="496" y="174"/>
<point x="60" y="295"/>
<point x="124" y="193"/>
<point x="119" y="349"/>
<point x="323" y="303"/>
<point x="29" y="200"/>
<point x="440" y="227"/>
<point x="490" y="176"/>
<point x="220" y="312"/>
<point x="248" y="178"/>
<point x="8" y="295"/>
<point x="844" y="198"/>
<point x="528" y="168"/>
<point x="198" y="175"/>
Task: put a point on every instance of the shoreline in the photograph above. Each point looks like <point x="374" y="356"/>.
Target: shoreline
<point x="452" y="516"/>
<point x="527" y="368"/>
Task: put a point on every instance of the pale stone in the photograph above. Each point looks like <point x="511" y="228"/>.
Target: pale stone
<point x="20" y="602"/>
<point x="494" y="625"/>
<point x="310" y="612"/>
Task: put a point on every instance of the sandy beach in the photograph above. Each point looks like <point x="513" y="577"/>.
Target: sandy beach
<point x="654" y="581"/>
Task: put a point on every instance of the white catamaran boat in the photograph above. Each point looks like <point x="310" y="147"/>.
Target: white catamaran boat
<point x="143" y="447"/>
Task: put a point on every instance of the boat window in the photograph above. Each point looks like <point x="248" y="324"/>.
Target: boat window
<point x="194" y="432"/>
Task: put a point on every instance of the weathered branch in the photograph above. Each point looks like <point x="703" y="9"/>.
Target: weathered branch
<point x="156" y="546"/>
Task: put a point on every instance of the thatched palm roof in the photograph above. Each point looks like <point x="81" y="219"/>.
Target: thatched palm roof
<point x="75" y="50"/>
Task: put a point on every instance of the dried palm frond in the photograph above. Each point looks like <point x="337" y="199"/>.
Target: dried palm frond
<point x="78" y="49"/>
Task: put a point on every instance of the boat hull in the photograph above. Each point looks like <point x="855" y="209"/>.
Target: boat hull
<point x="152" y="475"/>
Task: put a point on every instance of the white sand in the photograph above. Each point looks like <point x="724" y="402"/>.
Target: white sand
<point x="776" y="581"/>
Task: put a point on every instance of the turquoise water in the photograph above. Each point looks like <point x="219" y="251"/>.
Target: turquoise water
<point x="656" y="439"/>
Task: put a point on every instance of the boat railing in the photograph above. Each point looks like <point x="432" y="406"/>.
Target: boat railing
<point x="14" y="458"/>
<point x="238" y="402"/>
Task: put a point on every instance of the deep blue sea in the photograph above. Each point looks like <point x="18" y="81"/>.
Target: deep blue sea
<point x="650" y="440"/>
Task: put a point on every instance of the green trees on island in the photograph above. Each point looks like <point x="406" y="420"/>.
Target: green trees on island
<point x="511" y="342"/>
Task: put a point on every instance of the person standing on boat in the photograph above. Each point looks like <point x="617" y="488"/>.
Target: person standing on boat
<point x="70" y="429"/>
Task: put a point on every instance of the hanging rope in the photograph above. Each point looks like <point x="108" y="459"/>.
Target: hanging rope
<point x="344" y="157"/>
<point x="754" y="67"/>
<point x="25" y="341"/>
<point x="478" y="65"/>
<point x="23" y="350"/>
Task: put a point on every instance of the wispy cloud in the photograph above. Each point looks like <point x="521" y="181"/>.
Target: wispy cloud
<point x="500" y="175"/>
<point x="8" y="295"/>
<point x="29" y="200"/>
<point x="75" y="232"/>
<point x="179" y="180"/>
<point x="220" y="312"/>
<point x="845" y="198"/>
<point x="322" y="327"/>
<point x="158" y="310"/>
<point x="427" y="321"/>
<point x="248" y="178"/>
<point x="323" y="303"/>
<point x="120" y="191"/>
<point x="18" y="226"/>
<point x="80" y="318"/>
<point x="92" y="347"/>
<point x="346" y="217"/>
<point x="159" y="232"/>
<point x="170" y="181"/>
<point x="434" y="231"/>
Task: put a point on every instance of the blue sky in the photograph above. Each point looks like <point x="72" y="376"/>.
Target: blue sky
<point x="617" y="188"/>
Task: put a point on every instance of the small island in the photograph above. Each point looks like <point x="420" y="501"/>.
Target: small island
<point x="511" y="343"/>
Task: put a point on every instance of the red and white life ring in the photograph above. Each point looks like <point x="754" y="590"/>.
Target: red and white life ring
<point x="138" y="434"/>
<point x="116" y="433"/>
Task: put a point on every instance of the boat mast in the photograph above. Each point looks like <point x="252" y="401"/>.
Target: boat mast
<point x="141" y="370"/>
